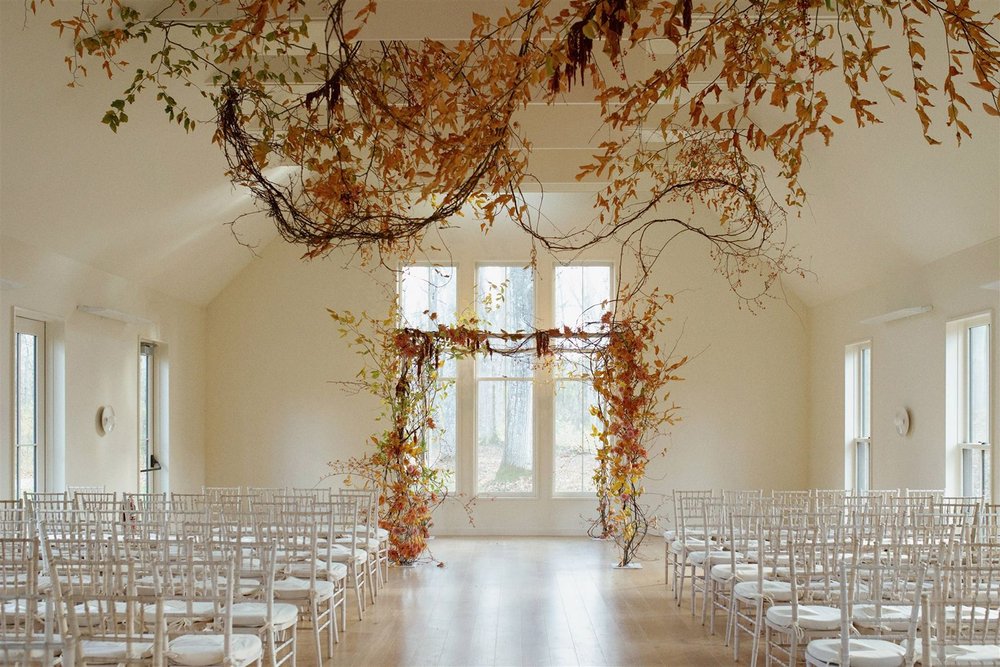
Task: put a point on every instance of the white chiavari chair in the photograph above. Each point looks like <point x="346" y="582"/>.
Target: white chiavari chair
<point x="296" y="538"/>
<point x="188" y="502"/>
<point x="255" y="609"/>
<point x="715" y="521"/>
<point x="825" y="500"/>
<point x="962" y="625"/>
<point x="341" y="549"/>
<point x="814" y="563"/>
<point x="879" y="617"/>
<point x="987" y="523"/>
<point x="100" y="608"/>
<point x="200" y="630"/>
<point x="27" y="623"/>
<point x="741" y="565"/>
<point x="27" y="631"/>
<point x="318" y="493"/>
<point x="15" y="520"/>
<point x="674" y="539"/>
<point x="692" y="536"/>
<point x="797" y="500"/>
<point x="368" y="536"/>
<point x="769" y="585"/>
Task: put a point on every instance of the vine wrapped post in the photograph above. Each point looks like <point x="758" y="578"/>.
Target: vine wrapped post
<point x="401" y="370"/>
<point x="630" y="377"/>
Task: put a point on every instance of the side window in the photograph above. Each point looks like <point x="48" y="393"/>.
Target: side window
<point x="857" y="416"/>
<point x="29" y="406"/>
<point x="968" y="404"/>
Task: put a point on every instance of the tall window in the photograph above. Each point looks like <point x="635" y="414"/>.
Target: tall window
<point x="968" y="396"/>
<point x="504" y="385"/>
<point x="858" y="406"/>
<point x="147" y="410"/>
<point x="428" y="296"/>
<point x="581" y="295"/>
<point x="508" y="426"/>
<point x="29" y="408"/>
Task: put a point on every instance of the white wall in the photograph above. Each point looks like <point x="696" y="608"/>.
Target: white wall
<point x="275" y="415"/>
<point x="101" y="367"/>
<point x="908" y="367"/>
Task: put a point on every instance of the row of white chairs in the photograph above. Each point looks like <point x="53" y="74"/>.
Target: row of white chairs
<point x="67" y="562"/>
<point x="775" y="565"/>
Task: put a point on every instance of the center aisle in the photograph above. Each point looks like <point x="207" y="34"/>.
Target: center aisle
<point x="526" y="601"/>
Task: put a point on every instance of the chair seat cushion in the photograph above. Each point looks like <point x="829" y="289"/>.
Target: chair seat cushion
<point x="96" y="650"/>
<point x="361" y="542"/>
<point x="778" y="591"/>
<point x="328" y="571"/>
<point x="894" y="617"/>
<point x="341" y="554"/>
<point x="811" y="617"/>
<point x="254" y="614"/>
<point x="963" y="654"/>
<point x="93" y="613"/>
<point x="173" y="609"/>
<point x="381" y="534"/>
<point x="724" y="572"/>
<point x="864" y="652"/>
<point x="699" y="557"/>
<point x="293" y="588"/>
<point x="200" y="650"/>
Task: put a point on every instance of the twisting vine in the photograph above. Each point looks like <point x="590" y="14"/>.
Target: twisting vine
<point x="628" y="370"/>
<point x="390" y="138"/>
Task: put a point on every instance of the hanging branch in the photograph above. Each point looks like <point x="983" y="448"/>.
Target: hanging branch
<point x="389" y="139"/>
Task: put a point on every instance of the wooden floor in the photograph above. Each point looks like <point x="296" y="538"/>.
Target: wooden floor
<point x="525" y="601"/>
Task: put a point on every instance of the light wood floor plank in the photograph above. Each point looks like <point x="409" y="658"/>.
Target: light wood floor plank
<point x="526" y="601"/>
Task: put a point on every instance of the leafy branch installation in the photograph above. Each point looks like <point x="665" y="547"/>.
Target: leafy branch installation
<point x="630" y="376"/>
<point x="628" y="372"/>
<point x="706" y="107"/>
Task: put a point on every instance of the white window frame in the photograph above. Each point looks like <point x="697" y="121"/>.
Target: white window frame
<point x="452" y="381"/>
<point x="535" y="381"/>
<point x="857" y="418"/>
<point x="152" y="417"/>
<point x="960" y="449"/>
<point x="466" y="385"/>
<point x="32" y="326"/>
<point x="555" y="377"/>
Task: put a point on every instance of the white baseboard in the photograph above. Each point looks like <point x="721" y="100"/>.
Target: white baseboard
<point x="528" y="532"/>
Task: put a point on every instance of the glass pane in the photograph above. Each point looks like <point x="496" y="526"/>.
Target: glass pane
<point x="506" y="298"/>
<point x="145" y="421"/>
<point x="427" y="290"/>
<point x="519" y="365"/>
<point x="865" y="392"/>
<point x="575" y="445"/>
<point x="979" y="383"/>
<point x="862" y="466"/>
<point x="505" y="454"/>
<point x="975" y="472"/>
<point x="442" y="440"/>
<point x="572" y="365"/>
<point x="27" y="389"/>
<point x="581" y="292"/>
<point x="26" y="466"/>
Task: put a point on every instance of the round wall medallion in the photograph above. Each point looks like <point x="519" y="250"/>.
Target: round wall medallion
<point x="107" y="414"/>
<point x="902" y="421"/>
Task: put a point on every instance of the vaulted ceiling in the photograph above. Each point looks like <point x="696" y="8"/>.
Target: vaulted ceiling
<point x="152" y="203"/>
